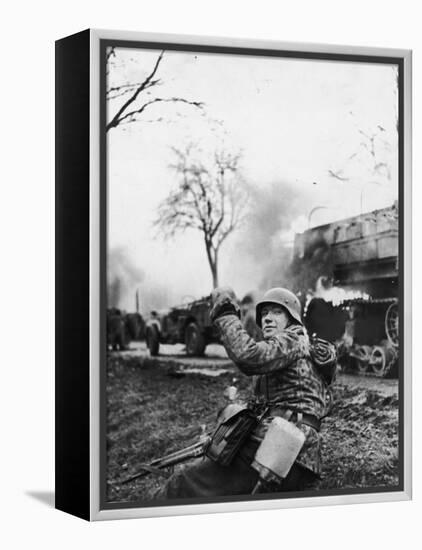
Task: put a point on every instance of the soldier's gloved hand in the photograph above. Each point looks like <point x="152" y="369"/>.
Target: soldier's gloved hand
<point x="223" y="292"/>
<point x="224" y="302"/>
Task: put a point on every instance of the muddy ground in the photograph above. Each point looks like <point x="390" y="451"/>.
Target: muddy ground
<point x="159" y="405"/>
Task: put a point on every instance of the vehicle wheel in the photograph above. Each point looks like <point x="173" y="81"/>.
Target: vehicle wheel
<point x="153" y="340"/>
<point x="194" y="340"/>
<point x="383" y="359"/>
<point x="378" y="360"/>
<point x="362" y="355"/>
<point x="123" y="338"/>
<point x="392" y="324"/>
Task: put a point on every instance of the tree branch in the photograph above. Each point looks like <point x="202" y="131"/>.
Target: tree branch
<point x="110" y="53"/>
<point x="205" y="200"/>
<point x="161" y="100"/>
<point x="127" y="88"/>
<point x="117" y="117"/>
<point x="130" y="117"/>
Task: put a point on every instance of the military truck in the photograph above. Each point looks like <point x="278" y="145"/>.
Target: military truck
<point x="187" y="324"/>
<point x="354" y="301"/>
<point x="122" y="328"/>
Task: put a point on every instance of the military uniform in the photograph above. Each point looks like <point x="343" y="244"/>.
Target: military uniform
<point x="286" y="383"/>
<point x="251" y="327"/>
<point x="284" y="378"/>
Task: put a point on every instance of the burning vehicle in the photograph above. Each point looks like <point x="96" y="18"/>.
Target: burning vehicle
<point x="187" y="324"/>
<point x="347" y="275"/>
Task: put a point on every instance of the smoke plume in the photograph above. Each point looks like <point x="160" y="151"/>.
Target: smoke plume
<point x="268" y="236"/>
<point x="123" y="276"/>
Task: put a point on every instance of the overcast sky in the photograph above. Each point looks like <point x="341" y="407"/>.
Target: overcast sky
<point x="301" y="125"/>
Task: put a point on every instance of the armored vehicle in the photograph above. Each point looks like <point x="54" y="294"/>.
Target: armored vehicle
<point x="187" y="324"/>
<point x="353" y="297"/>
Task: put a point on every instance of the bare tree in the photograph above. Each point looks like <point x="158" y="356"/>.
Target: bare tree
<point x="211" y="200"/>
<point x="372" y="143"/>
<point x="136" y="95"/>
<point x="371" y="149"/>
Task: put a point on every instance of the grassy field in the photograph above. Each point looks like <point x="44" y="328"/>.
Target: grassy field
<point x="153" y="409"/>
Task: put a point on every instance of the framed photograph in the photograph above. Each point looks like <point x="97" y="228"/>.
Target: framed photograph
<point x="233" y="281"/>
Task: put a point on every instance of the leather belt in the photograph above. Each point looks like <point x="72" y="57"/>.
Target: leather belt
<point x="297" y="417"/>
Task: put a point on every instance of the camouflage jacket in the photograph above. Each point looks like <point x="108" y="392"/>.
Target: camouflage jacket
<point x="284" y="376"/>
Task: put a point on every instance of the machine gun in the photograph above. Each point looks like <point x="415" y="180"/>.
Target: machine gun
<point x="195" y="450"/>
<point x="158" y="465"/>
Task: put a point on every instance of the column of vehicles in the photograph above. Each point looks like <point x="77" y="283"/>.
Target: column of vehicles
<point x="188" y="324"/>
<point x="352" y="300"/>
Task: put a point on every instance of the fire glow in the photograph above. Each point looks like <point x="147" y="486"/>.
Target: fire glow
<point x="336" y="295"/>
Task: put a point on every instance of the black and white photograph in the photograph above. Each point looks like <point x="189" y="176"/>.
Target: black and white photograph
<point x="253" y="287"/>
<point x="210" y="275"/>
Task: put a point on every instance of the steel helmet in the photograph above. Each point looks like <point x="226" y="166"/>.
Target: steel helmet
<point x="281" y="297"/>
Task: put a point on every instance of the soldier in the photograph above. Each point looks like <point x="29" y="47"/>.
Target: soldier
<point x="286" y="383"/>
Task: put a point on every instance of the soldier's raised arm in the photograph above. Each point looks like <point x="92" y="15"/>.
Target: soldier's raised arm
<point x="278" y="309"/>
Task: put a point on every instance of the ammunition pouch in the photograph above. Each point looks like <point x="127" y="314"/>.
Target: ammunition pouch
<point x="230" y="434"/>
